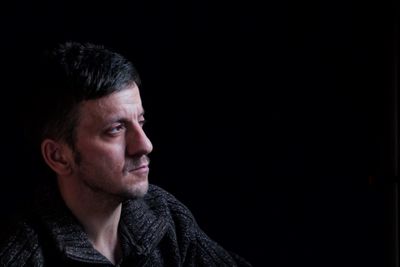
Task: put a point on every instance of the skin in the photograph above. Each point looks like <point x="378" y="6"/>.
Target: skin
<point x="108" y="165"/>
<point x="112" y="146"/>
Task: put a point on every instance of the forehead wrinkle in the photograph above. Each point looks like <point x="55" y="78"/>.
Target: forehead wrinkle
<point x="107" y="114"/>
<point x="122" y="104"/>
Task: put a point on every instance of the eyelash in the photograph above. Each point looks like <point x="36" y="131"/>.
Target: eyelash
<point x="116" y="129"/>
<point x="121" y="127"/>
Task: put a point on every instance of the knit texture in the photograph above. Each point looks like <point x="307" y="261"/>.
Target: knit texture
<point x="156" y="230"/>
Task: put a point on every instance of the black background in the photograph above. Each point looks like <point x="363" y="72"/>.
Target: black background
<point x="272" y="122"/>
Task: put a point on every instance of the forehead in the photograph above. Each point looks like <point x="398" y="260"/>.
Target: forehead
<point x="126" y="102"/>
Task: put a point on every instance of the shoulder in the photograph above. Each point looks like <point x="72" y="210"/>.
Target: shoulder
<point x="197" y="248"/>
<point x="19" y="246"/>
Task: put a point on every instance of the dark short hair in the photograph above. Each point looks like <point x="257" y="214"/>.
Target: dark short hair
<point x="69" y="74"/>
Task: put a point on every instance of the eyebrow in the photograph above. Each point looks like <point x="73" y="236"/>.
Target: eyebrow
<point x="119" y="118"/>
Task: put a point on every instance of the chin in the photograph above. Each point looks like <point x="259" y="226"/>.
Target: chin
<point x="138" y="190"/>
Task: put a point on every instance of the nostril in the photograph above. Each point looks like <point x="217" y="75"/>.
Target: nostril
<point x="138" y="143"/>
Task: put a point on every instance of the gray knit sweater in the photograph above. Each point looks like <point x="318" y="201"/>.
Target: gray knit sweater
<point x="157" y="230"/>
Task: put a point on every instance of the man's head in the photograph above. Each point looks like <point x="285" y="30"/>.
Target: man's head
<point x="91" y="120"/>
<point x="72" y="73"/>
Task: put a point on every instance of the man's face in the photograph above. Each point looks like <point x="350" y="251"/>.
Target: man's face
<point x="111" y="147"/>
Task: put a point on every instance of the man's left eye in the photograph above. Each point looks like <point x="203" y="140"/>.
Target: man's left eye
<point x="116" y="129"/>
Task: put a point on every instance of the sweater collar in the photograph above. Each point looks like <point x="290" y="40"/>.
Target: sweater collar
<point x="143" y="225"/>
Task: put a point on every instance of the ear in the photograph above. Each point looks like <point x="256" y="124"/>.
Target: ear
<point x="57" y="156"/>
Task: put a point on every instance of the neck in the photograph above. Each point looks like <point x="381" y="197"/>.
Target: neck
<point x="99" y="215"/>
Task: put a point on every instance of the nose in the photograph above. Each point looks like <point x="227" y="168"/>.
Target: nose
<point x="137" y="142"/>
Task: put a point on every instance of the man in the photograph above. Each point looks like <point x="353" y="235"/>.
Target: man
<point x="102" y="210"/>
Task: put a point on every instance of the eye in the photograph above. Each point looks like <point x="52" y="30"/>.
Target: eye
<point x="116" y="129"/>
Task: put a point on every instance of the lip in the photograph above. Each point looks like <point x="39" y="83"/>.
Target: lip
<point x="141" y="169"/>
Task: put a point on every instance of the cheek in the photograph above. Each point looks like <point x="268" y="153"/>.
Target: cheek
<point x="115" y="161"/>
<point x="112" y="158"/>
<point x="107" y="156"/>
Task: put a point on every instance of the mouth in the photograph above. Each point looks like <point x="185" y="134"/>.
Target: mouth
<point x="144" y="168"/>
<point x="138" y="166"/>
